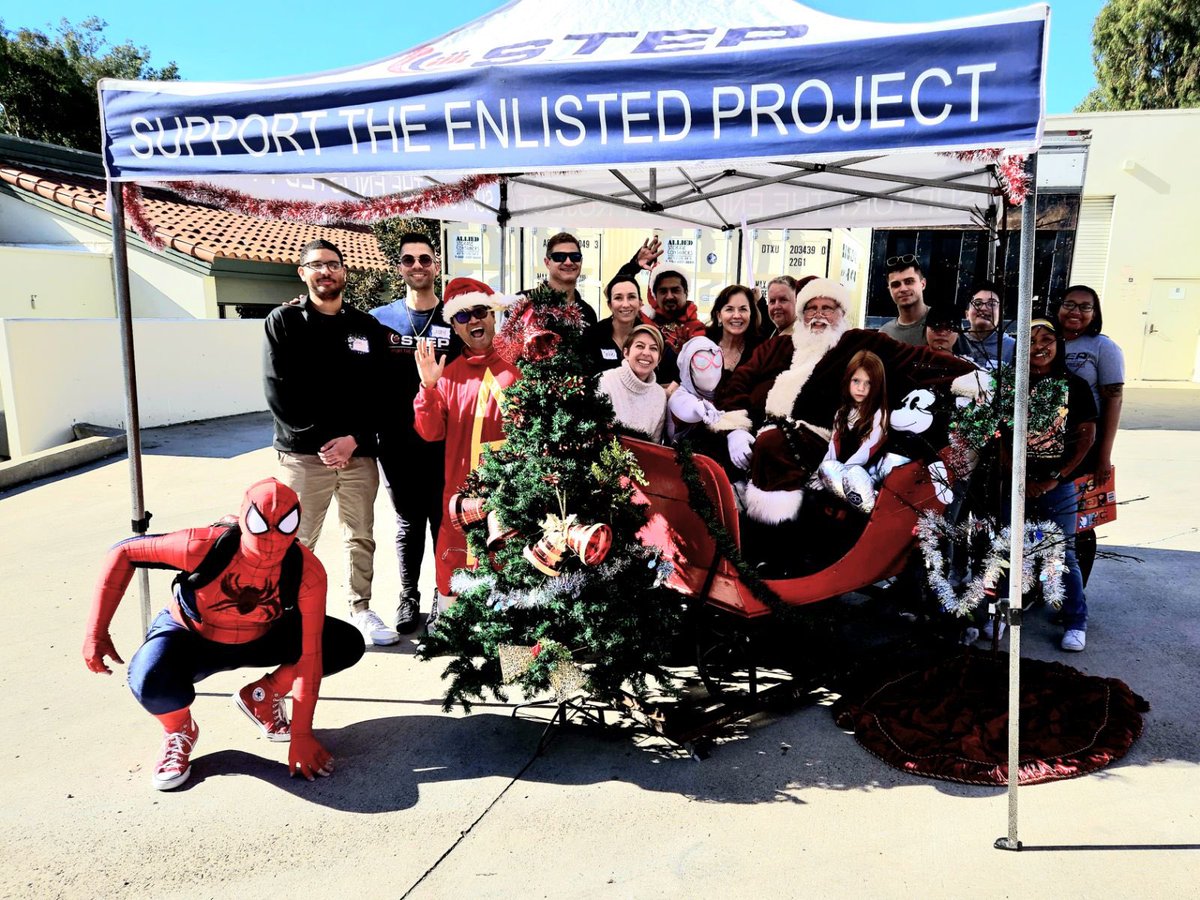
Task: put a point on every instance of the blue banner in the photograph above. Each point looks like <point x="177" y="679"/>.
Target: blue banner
<point x="978" y="86"/>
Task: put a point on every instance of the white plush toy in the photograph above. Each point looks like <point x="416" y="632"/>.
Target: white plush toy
<point x="700" y="366"/>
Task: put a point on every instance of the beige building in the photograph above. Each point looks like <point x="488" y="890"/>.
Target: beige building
<point x="1138" y="236"/>
<point x="60" y="361"/>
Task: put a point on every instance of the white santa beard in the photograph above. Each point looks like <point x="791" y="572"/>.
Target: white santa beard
<point x="810" y="346"/>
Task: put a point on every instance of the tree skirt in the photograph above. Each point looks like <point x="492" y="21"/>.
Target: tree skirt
<point x="950" y="721"/>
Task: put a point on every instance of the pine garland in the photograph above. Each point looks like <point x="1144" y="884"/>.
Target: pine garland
<point x="976" y="424"/>
<point x="727" y="547"/>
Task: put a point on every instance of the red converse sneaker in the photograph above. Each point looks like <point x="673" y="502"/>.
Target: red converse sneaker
<point x="174" y="763"/>
<point x="266" y="709"/>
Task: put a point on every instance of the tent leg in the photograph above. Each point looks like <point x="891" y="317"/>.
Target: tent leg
<point x="1017" y="510"/>
<point x="502" y="217"/>
<point x="140" y="521"/>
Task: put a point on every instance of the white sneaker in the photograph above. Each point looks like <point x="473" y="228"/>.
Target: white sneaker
<point x="988" y="629"/>
<point x="373" y="630"/>
<point x="1074" y="640"/>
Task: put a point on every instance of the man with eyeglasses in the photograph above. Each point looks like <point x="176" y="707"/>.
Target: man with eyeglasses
<point x="411" y="468"/>
<point x="982" y="343"/>
<point x="319" y="357"/>
<point x="460" y="403"/>
<point x="906" y="284"/>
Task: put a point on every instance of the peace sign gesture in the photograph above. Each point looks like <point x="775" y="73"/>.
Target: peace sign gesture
<point x="429" y="365"/>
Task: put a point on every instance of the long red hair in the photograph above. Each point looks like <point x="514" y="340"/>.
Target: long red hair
<point x="876" y="401"/>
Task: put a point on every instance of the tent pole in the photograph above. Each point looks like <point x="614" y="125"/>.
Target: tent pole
<point x="140" y="522"/>
<point x="502" y="217"/>
<point x="1017" y="510"/>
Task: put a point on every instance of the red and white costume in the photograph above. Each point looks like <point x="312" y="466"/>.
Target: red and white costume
<point x="463" y="409"/>
<point x="791" y="395"/>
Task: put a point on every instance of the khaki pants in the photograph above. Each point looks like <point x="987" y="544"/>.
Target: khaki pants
<point x="354" y="487"/>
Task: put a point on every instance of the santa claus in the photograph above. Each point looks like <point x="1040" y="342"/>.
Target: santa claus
<point x="783" y="399"/>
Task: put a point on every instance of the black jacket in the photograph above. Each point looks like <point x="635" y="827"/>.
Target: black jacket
<point x="321" y="374"/>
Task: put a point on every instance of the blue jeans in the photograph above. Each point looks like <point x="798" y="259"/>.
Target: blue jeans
<point x="163" y="672"/>
<point x="1059" y="506"/>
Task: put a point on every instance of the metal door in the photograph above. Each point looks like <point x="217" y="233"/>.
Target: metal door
<point x="1173" y="329"/>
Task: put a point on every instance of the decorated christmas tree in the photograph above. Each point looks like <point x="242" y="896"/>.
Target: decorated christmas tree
<point x="563" y="595"/>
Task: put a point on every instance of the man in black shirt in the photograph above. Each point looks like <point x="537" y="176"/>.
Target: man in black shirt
<point x="318" y="363"/>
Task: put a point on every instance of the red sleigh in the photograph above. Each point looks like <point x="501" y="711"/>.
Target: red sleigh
<point x="880" y="551"/>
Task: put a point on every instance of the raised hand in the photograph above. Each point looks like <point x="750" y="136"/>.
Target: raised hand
<point x="649" y="252"/>
<point x="429" y="365"/>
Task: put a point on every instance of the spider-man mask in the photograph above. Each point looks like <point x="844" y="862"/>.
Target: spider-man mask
<point x="269" y="519"/>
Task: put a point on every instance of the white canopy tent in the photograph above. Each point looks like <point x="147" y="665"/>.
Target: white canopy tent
<point x="761" y="113"/>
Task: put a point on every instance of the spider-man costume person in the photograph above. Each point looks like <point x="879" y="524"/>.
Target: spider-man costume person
<point x="241" y="617"/>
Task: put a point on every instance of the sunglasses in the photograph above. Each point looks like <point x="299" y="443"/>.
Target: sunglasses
<point x="463" y="316"/>
<point x="906" y="258"/>
<point x="1069" y="305"/>
<point x="333" y="266"/>
<point x="984" y="305"/>
<point x="408" y="260"/>
<point x="561" y="256"/>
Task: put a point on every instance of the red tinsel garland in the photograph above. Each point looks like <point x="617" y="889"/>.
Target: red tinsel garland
<point x="367" y="211"/>
<point x="1010" y="167"/>
<point x="135" y="209"/>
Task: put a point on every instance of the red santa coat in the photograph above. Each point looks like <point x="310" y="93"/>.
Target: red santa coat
<point x="775" y="382"/>
<point x="463" y="409"/>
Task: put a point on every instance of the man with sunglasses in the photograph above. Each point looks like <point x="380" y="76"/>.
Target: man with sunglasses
<point x="411" y="468"/>
<point x="564" y="264"/>
<point x="319" y="357"/>
<point x="906" y="284"/>
<point x="459" y="403"/>
<point x="981" y="343"/>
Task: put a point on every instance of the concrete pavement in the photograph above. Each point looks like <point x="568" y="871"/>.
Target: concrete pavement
<point x="786" y="806"/>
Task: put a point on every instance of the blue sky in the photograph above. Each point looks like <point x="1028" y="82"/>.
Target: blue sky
<point x="225" y="40"/>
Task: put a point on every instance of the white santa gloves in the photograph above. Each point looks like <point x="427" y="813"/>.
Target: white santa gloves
<point x="740" y="443"/>
<point x="690" y="408"/>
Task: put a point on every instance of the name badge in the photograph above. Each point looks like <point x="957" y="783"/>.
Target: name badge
<point x="359" y="345"/>
<point x="608" y="352"/>
<point x="440" y="331"/>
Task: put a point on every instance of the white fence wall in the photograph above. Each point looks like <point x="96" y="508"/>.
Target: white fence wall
<point x="56" y="373"/>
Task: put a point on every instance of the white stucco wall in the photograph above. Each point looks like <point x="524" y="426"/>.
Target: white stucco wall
<point x="55" y="282"/>
<point x="56" y="373"/>
<point x="1147" y="162"/>
<point x="158" y="287"/>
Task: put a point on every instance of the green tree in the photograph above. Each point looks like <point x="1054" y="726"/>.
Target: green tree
<point x="48" y="83"/>
<point x="1147" y="56"/>
<point x="560" y="466"/>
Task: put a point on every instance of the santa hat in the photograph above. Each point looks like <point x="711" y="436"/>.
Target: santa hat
<point x="824" y="287"/>
<point x="467" y="293"/>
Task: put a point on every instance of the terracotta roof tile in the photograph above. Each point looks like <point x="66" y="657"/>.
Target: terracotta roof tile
<point x="200" y="231"/>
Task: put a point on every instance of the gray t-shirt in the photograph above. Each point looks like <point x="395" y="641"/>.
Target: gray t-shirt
<point x="1097" y="360"/>
<point x="907" y="334"/>
<point x="983" y="352"/>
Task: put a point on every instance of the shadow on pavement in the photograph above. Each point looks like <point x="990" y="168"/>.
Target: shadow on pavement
<point x="222" y="438"/>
